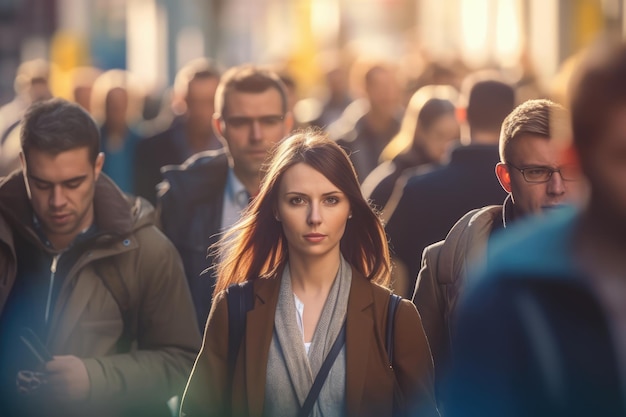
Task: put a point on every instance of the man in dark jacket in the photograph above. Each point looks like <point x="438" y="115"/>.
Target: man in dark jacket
<point x="86" y="270"/>
<point x="433" y="202"/>
<point x="205" y="196"/>
<point x="541" y="330"/>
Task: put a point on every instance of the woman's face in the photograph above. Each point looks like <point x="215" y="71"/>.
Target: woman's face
<point x="313" y="212"/>
<point x="439" y="137"/>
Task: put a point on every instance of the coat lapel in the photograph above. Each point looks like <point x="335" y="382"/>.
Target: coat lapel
<point x="259" y="332"/>
<point x="359" y="329"/>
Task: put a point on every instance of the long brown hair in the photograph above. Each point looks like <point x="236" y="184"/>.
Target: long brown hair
<point x="256" y="246"/>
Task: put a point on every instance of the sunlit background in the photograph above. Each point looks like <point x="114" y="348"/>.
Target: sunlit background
<point x="153" y="38"/>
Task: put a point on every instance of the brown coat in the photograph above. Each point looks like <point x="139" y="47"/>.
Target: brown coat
<point x="369" y="379"/>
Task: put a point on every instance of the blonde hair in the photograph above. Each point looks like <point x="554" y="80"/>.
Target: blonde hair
<point x="403" y="140"/>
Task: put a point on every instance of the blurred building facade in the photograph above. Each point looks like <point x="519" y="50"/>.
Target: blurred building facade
<point x="153" y="38"/>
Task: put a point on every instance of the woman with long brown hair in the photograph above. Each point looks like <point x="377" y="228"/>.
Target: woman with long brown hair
<point x="314" y="255"/>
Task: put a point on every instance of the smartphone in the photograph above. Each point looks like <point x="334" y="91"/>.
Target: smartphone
<point x="34" y="345"/>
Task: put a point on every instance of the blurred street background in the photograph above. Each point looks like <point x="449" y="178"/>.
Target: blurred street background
<point x="154" y="38"/>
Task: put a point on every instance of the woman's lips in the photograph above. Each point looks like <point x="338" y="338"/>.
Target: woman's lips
<point x="314" y="237"/>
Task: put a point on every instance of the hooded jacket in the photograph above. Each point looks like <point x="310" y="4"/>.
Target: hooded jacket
<point x="86" y="320"/>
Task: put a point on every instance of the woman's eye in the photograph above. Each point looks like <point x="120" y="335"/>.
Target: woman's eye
<point x="297" y="201"/>
<point x="332" y="200"/>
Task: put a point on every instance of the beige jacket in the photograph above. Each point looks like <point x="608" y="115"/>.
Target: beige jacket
<point x="441" y="277"/>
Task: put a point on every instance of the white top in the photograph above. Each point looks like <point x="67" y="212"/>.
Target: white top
<point x="299" y="314"/>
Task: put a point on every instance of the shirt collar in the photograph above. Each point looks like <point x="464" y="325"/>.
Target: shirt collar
<point x="235" y="190"/>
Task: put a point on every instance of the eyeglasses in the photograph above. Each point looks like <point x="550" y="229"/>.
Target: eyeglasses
<point x="238" y="122"/>
<point x="540" y="174"/>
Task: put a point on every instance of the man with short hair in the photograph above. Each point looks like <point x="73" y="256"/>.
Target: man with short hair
<point x="205" y="196"/>
<point x="431" y="203"/>
<point x="190" y="132"/>
<point x="366" y="137"/>
<point x="530" y="172"/>
<point x="541" y="329"/>
<point x="87" y="271"/>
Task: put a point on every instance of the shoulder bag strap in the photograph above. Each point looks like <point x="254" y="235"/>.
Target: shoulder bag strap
<point x="323" y="373"/>
<point x="240" y="299"/>
<point x="394" y="302"/>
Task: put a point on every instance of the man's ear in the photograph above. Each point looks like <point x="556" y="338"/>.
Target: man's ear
<point x="218" y="125"/>
<point x="98" y="164"/>
<point x="504" y="176"/>
<point x="289" y="122"/>
<point x="23" y="162"/>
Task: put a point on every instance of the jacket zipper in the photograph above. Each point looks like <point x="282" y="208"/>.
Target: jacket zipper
<point x="53" y="270"/>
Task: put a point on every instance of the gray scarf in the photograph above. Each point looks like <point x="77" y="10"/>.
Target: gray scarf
<point x="290" y="373"/>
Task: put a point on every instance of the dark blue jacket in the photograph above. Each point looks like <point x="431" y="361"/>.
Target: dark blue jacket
<point x="190" y="205"/>
<point x="432" y="203"/>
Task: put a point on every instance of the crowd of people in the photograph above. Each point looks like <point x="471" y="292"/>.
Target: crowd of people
<point x="433" y="248"/>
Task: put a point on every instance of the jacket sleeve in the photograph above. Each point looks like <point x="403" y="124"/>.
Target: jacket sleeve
<point x="431" y="304"/>
<point x="413" y="364"/>
<point x="167" y="337"/>
<point x="207" y="386"/>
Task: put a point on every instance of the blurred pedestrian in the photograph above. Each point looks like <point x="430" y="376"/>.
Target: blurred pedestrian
<point x="428" y="131"/>
<point x="315" y="257"/>
<point x="366" y="138"/>
<point x="190" y="132"/>
<point x="116" y="102"/>
<point x="431" y="203"/>
<point x="31" y="85"/>
<point x="205" y="195"/>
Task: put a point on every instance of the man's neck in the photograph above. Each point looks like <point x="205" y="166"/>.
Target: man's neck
<point x="378" y="122"/>
<point x="250" y="182"/>
<point x="197" y="139"/>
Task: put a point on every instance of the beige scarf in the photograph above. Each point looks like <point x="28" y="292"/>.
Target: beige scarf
<point x="290" y="372"/>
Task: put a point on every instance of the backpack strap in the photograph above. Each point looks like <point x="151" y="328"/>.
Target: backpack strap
<point x="394" y="302"/>
<point x="240" y="300"/>
<point x="108" y="271"/>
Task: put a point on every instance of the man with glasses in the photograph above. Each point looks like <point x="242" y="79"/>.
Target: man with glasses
<point x="530" y="173"/>
<point x="541" y="329"/>
<point x="205" y="195"/>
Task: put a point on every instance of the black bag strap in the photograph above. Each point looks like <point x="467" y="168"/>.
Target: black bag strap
<point x="394" y="302"/>
<point x="323" y="373"/>
<point x="108" y="271"/>
<point x="240" y="299"/>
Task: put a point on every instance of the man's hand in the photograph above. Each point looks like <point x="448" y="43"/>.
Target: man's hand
<point x="67" y="379"/>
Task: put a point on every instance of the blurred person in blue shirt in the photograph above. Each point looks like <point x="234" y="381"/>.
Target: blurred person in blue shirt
<point x="116" y="104"/>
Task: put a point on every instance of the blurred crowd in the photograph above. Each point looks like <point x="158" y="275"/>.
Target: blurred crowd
<point x="450" y="158"/>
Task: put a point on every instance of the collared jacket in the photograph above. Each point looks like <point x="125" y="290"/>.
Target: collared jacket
<point x="190" y="206"/>
<point x="369" y="378"/>
<point x="444" y="267"/>
<point x="86" y="321"/>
